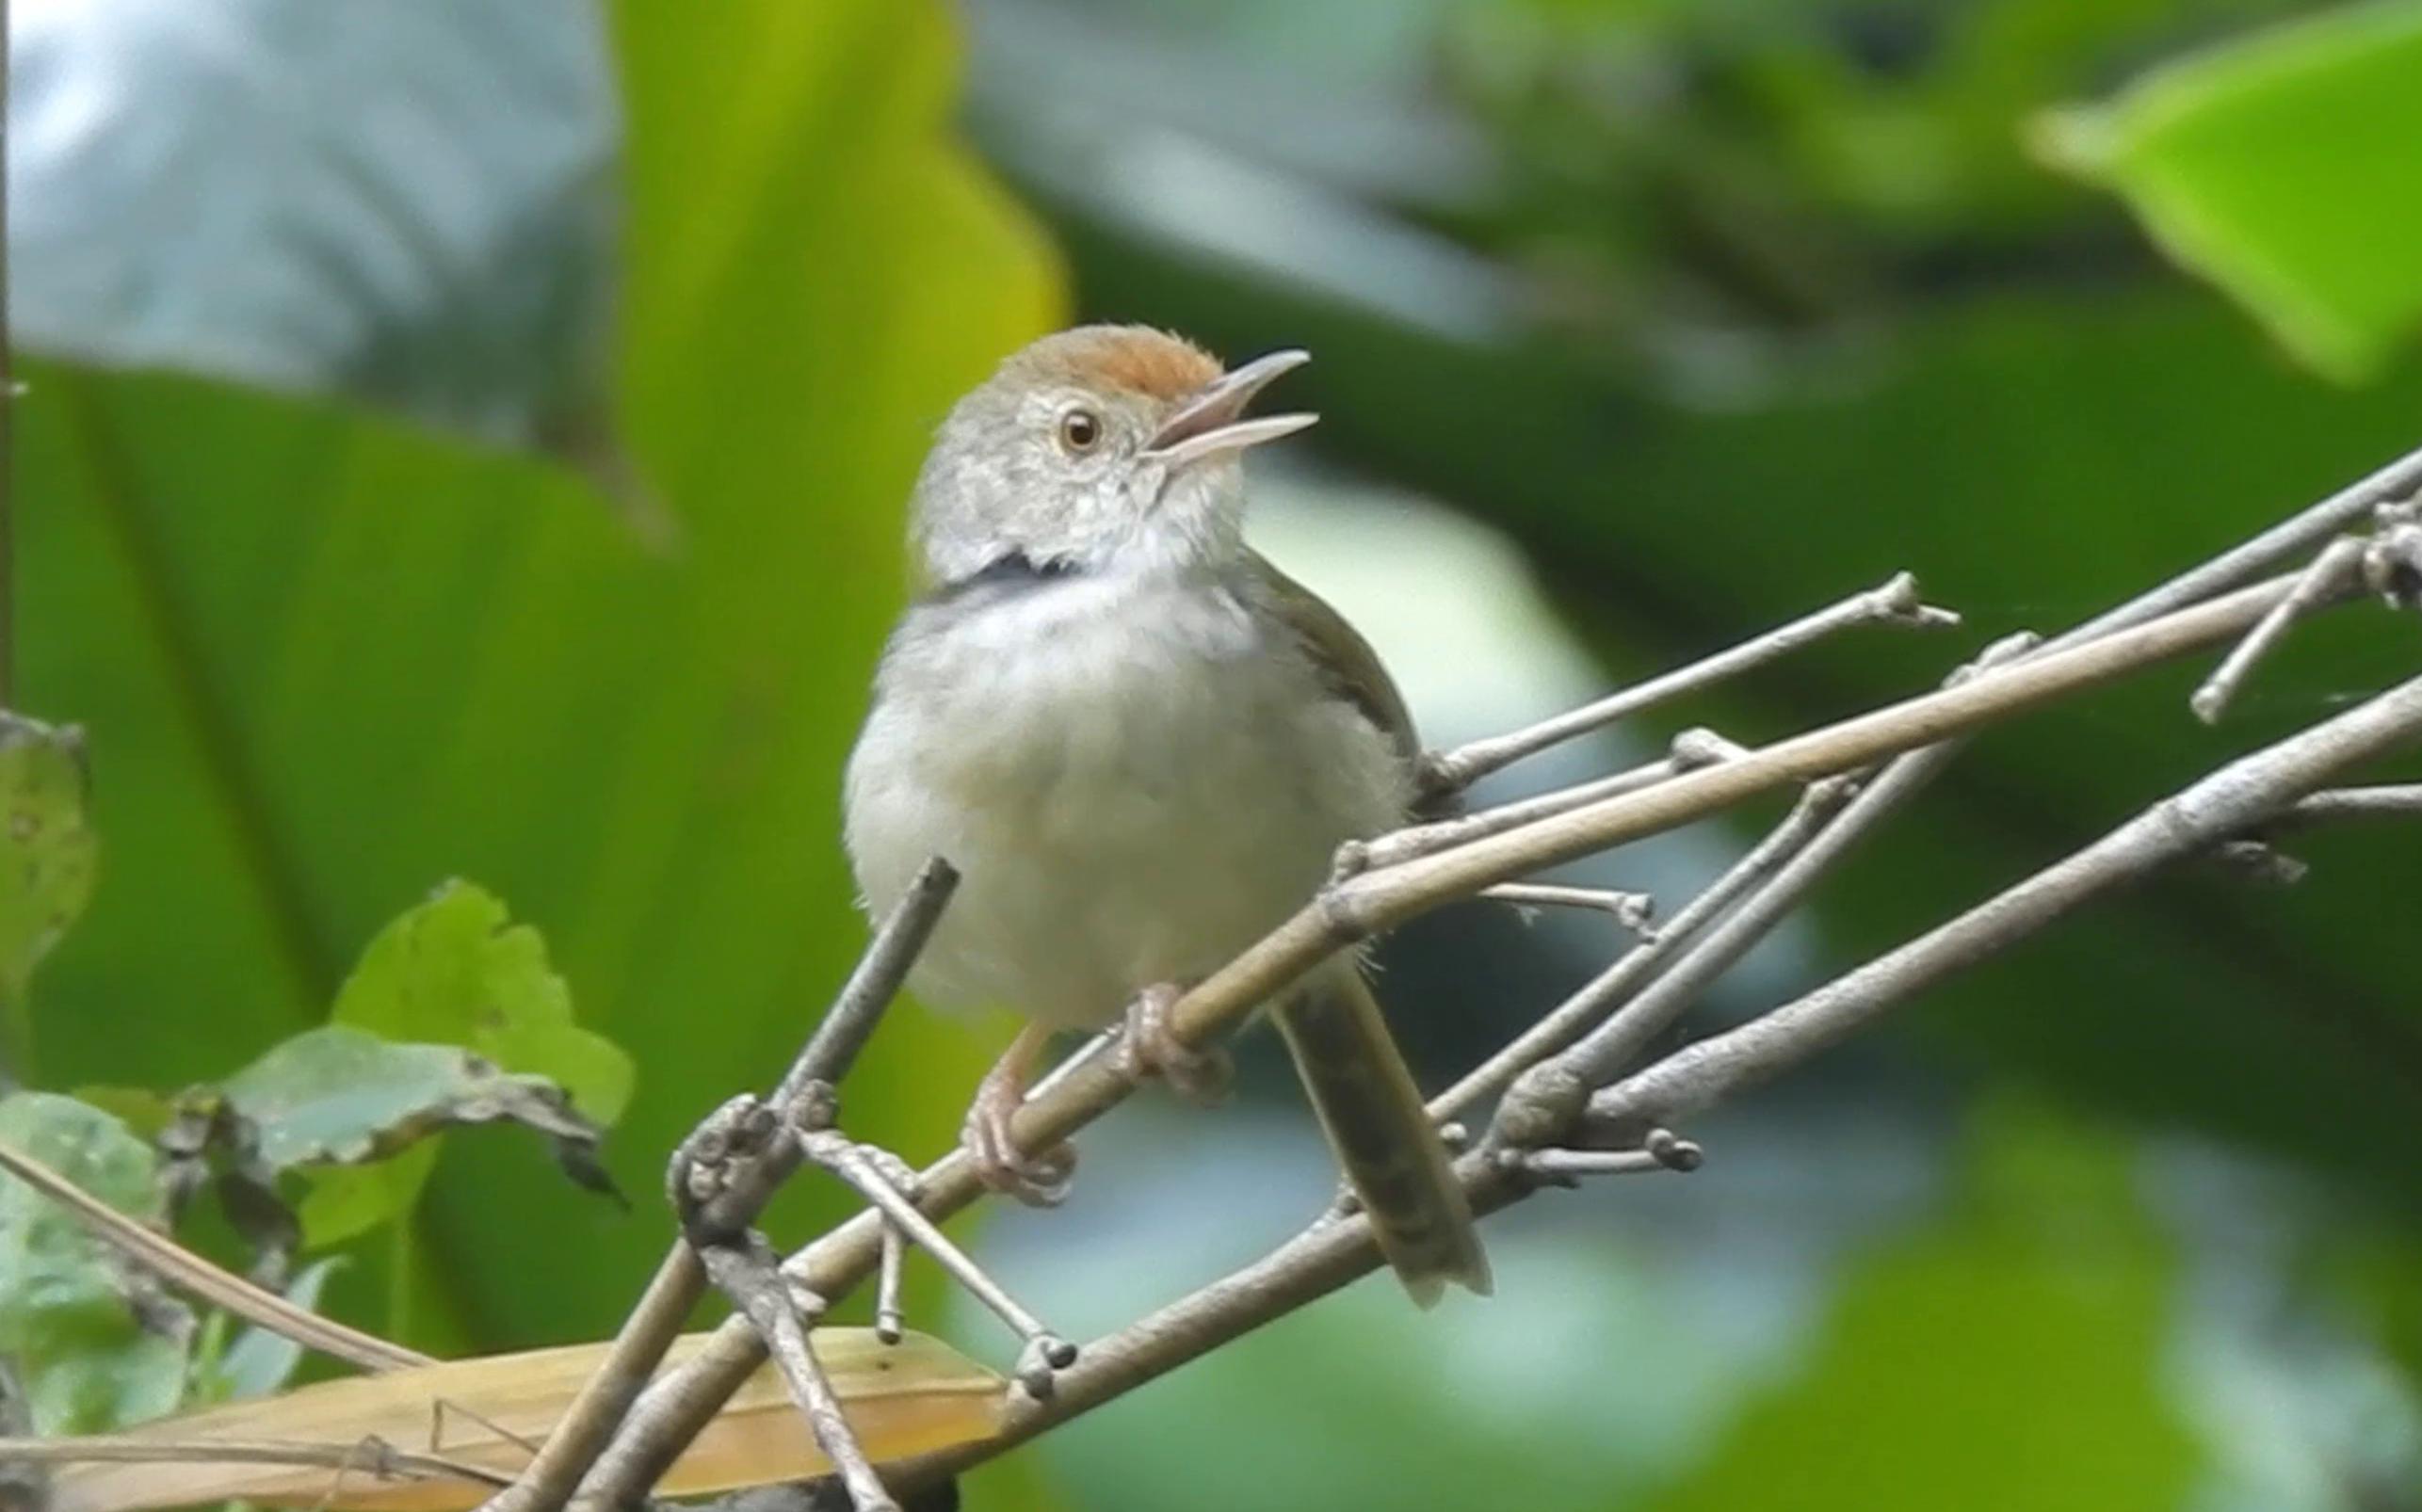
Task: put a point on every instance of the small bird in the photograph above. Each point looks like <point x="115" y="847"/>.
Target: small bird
<point x="1141" y="745"/>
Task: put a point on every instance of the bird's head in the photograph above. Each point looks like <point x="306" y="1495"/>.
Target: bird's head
<point x="1096" y="449"/>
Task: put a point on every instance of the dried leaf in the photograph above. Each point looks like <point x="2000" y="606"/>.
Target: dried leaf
<point x="902" y="1399"/>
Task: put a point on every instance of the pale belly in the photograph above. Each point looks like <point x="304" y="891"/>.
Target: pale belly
<point x="1126" y="807"/>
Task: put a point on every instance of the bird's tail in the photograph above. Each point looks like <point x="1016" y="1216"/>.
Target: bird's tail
<point x="1383" y="1137"/>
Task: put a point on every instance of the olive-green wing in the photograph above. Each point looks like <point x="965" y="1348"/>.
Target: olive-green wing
<point x="1345" y="660"/>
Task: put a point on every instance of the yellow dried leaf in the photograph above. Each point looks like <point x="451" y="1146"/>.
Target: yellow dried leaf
<point x="488" y="1413"/>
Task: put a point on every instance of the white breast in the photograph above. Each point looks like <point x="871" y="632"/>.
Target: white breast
<point x="1134" y="782"/>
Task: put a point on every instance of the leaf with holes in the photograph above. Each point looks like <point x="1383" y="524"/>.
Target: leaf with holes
<point x="342" y="1095"/>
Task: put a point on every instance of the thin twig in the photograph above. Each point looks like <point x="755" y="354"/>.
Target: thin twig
<point x="1896" y="601"/>
<point x="1635" y="911"/>
<point x="890" y="1317"/>
<point x="2387" y="800"/>
<point x="182" y="1268"/>
<point x="1414" y="841"/>
<point x="588" y="1423"/>
<point x="2236" y="798"/>
<point x="2290" y="538"/>
<point x="1662" y="1152"/>
<point x="374" y="1456"/>
<point x="749" y="1274"/>
<point x="1538" y="1108"/>
<point x="673" y="1410"/>
<point x="2336" y="572"/>
<point x="1602" y="994"/>
<point x="1044" y="1347"/>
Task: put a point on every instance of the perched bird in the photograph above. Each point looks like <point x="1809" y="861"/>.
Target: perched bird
<point x="1140" y="744"/>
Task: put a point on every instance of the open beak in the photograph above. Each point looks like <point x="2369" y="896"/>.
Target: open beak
<point x="1212" y="422"/>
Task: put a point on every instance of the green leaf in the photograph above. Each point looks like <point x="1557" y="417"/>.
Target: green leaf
<point x="454" y="971"/>
<point x="93" y="1346"/>
<point x="2283" y="168"/>
<point x="343" y="1095"/>
<point x="47" y="856"/>
<point x="421" y="213"/>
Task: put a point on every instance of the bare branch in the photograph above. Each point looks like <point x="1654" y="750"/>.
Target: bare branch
<point x="1414" y="841"/>
<point x="1532" y="1109"/>
<point x="1896" y="601"/>
<point x="184" y="1269"/>
<point x="671" y="1411"/>
<point x="2388" y="800"/>
<point x="550" y="1478"/>
<point x="2286" y="541"/>
<point x="1635" y="911"/>
<point x="2237" y="797"/>
<point x="1632" y="970"/>
<point x="1046" y="1351"/>
<point x="371" y="1456"/>
<point x="747" y="1272"/>
<point x="2334" y="574"/>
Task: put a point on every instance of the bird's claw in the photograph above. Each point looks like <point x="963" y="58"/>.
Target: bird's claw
<point x="1038" y="1181"/>
<point x="1149" y="1047"/>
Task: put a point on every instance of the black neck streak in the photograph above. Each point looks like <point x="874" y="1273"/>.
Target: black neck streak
<point x="1011" y="573"/>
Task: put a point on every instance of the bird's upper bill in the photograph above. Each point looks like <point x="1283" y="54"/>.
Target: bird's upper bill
<point x="1211" y="420"/>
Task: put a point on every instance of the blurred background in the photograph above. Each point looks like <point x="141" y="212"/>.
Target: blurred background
<point x="465" y="439"/>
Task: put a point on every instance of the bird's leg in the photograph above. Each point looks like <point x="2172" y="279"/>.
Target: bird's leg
<point x="1148" y="1047"/>
<point x="1040" y="1181"/>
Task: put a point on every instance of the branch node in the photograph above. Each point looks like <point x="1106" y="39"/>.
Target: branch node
<point x="1353" y="860"/>
<point x="1039" y="1364"/>
<point x="1541" y="1103"/>
<point x="2259" y="862"/>
<point x="1700" y="746"/>
<point x="1898" y="602"/>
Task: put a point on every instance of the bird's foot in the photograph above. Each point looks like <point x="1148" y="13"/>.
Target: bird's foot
<point x="1149" y="1047"/>
<point x="1036" y="1180"/>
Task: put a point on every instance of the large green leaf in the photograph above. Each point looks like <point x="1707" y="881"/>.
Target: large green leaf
<point x="326" y="662"/>
<point x="47" y="856"/>
<point x="2282" y="166"/>
<point x="93" y="1344"/>
<point x="421" y="211"/>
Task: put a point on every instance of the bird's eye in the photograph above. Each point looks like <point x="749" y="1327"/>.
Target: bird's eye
<point x="1080" y="431"/>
